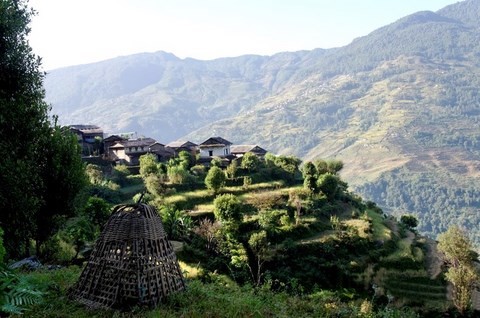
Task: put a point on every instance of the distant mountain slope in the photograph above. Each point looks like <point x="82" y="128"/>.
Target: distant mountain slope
<point x="400" y="106"/>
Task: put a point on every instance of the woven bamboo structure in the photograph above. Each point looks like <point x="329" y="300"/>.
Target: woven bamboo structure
<point x="132" y="262"/>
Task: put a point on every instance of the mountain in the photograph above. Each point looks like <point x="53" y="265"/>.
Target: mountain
<point x="400" y="106"/>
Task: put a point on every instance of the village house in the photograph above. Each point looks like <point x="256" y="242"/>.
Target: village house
<point x="240" y="150"/>
<point x="129" y="151"/>
<point x="188" y="146"/>
<point x="89" y="137"/>
<point x="111" y="141"/>
<point x="215" y="147"/>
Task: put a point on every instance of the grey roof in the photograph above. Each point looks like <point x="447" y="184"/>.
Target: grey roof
<point x="181" y="143"/>
<point x="216" y="142"/>
<point x="113" y="138"/>
<point x="87" y="129"/>
<point x="135" y="143"/>
<point x="247" y="148"/>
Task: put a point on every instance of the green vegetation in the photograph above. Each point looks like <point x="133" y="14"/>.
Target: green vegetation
<point x="262" y="238"/>
<point x="461" y="268"/>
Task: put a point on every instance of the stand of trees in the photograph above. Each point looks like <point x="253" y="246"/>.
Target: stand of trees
<point x="40" y="171"/>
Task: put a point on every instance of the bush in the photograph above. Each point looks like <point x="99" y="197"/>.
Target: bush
<point x="227" y="208"/>
<point x="215" y="179"/>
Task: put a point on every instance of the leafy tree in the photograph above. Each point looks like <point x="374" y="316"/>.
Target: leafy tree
<point x="186" y="159"/>
<point x="227" y="208"/>
<point x="120" y="175"/>
<point x="456" y="247"/>
<point x="179" y="175"/>
<point x="215" y="179"/>
<point x="63" y="175"/>
<point x="296" y="198"/>
<point x="177" y="224"/>
<point x="310" y="183"/>
<point x="148" y="165"/>
<point x="155" y="184"/>
<point x="199" y="172"/>
<point x="232" y="169"/>
<point x="40" y="170"/>
<point x="409" y="221"/>
<point x="321" y="166"/>
<point x="24" y="128"/>
<point x="309" y="169"/>
<point x="95" y="174"/>
<point x="260" y="247"/>
<point x="334" y="166"/>
<point x="216" y="162"/>
<point x="250" y="162"/>
<point x="328" y="184"/>
<point x="97" y="211"/>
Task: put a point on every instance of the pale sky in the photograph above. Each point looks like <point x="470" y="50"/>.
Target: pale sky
<point x="72" y="32"/>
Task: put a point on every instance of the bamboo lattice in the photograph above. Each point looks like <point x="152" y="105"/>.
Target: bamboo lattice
<point x="132" y="262"/>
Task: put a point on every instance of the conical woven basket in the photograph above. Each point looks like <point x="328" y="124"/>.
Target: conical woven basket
<point x="132" y="262"/>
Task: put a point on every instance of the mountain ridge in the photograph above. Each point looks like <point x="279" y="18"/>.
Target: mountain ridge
<point x="397" y="104"/>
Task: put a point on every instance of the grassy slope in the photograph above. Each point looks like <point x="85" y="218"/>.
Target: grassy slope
<point x="233" y="301"/>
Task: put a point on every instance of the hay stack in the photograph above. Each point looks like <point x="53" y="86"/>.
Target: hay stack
<point x="132" y="262"/>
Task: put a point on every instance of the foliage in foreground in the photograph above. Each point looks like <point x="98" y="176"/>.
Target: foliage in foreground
<point x="217" y="297"/>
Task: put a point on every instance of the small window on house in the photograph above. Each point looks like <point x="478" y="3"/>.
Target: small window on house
<point x="210" y="153"/>
<point x="130" y="149"/>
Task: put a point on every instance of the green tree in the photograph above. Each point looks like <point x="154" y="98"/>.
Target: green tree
<point x="63" y="176"/>
<point x="250" y="162"/>
<point x="232" y="169"/>
<point x="35" y="153"/>
<point x="95" y="174"/>
<point x="260" y="247"/>
<point x="177" y="224"/>
<point x="179" y="175"/>
<point x="309" y="169"/>
<point x="24" y="127"/>
<point x="186" y="159"/>
<point x="227" y="208"/>
<point x="148" y="165"/>
<point x="120" y="175"/>
<point x="328" y="184"/>
<point x="216" y="162"/>
<point x="321" y="166"/>
<point x="457" y="249"/>
<point x="409" y="221"/>
<point x="97" y="211"/>
<point x="215" y="179"/>
<point x="334" y="166"/>
<point x="155" y="184"/>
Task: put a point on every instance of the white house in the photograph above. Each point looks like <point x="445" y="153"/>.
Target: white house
<point x="215" y="147"/>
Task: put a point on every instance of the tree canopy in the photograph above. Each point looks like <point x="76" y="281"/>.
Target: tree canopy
<point x="40" y="170"/>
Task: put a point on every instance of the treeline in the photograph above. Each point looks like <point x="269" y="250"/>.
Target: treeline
<point x="438" y="204"/>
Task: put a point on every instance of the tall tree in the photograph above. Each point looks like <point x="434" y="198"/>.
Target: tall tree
<point x="38" y="158"/>
<point x="456" y="247"/>
<point x="63" y="175"/>
<point x="23" y="124"/>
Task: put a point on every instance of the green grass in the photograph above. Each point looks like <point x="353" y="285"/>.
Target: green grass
<point x="380" y="230"/>
<point x="221" y="297"/>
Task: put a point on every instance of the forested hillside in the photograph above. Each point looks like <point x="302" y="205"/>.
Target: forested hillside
<point x="399" y="106"/>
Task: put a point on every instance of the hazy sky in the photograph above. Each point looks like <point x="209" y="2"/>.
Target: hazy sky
<point x="71" y="32"/>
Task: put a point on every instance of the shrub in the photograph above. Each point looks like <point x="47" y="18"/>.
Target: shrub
<point x="227" y="208"/>
<point x="215" y="179"/>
